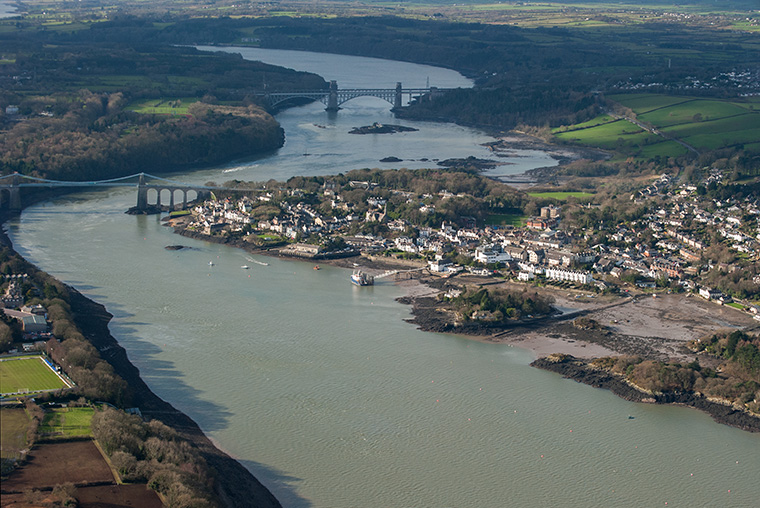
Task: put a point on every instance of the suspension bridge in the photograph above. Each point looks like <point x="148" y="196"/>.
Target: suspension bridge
<point x="151" y="190"/>
<point x="333" y="97"/>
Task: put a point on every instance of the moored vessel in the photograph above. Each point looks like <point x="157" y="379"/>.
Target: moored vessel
<point x="362" y="278"/>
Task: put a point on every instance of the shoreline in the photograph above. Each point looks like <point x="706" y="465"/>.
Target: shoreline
<point x="235" y="485"/>
<point x="580" y="371"/>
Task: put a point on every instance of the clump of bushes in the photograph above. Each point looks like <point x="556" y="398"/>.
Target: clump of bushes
<point x="154" y="453"/>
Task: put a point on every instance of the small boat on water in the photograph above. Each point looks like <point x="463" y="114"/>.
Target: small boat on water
<point x="245" y="267"/>
<point x="360" y="278"/>
<point x="316" y="267"/>
<point x="210" y="263"/>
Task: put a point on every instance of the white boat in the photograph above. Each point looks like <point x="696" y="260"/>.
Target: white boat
<point x="362" y="278"/>
<point x="245" y="267"/>
<point x="210" y="263"/>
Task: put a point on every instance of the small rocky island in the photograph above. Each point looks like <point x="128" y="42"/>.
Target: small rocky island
<point x="379" y="128"/>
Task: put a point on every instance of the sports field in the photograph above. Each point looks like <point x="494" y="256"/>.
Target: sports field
<point x="27" y="374"/>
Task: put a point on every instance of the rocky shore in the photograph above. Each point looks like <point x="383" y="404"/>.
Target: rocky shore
<point x="579" y="370"/>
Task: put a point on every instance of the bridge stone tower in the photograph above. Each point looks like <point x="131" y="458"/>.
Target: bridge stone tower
<point x="15" y="194"/>
<point x="332" y="100"/>
<point x="142" y="193"/>
<point x="397" y="101"/>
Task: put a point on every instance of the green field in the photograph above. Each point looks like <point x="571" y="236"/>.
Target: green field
<point x="664" y="149"/>
<point x="694" y="111"/>
<point x="67" y="422"/>
<point x="706" y="124"/>
<point x="27" y="374"/>
<point x="163" y="107"/>
<point x="599" y="120"/>
<point x="611" y="135"/>
<point x="506" y="219"/>
<point x="13" y="425"/>
<point x="642" y="103"/>
<point x="560" y="196"/>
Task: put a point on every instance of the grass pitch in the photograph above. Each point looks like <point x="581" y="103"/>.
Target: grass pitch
<point x="67" y="422"/>
<point x="28" y="375"/>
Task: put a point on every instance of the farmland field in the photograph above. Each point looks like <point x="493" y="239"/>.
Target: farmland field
<point x="13" y="425"/>
<point x="610" y="135"/>
<point x="664" y="149"/>
<point x="599" y="120"/>
<point x="27" y="374"/>
<point x="642" y="103"/>
<point x="49" y="465"/>
<point x="688" y="112"/>
<point x="67" y="422"/>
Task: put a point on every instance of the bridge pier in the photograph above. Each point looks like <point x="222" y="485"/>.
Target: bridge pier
<point x="332" y="100"/>
<point x="15" y="194"/>
<point x="142" y="194"/>
<point x="397" y="101"/>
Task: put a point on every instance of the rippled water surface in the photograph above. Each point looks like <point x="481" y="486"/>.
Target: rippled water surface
<point x="329" y="396"/>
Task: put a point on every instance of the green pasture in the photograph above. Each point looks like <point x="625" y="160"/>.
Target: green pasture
<point x="67" y="422"/>
<point x="746" y="122"/>
<point x="664" y="149"/>
<point x="642" y="103"/>
<point x="27" y="374"/>
<point x="694" y="111"/>
<point x="752" y="147"/>
<point x="599" y="120"/>
<point x="561" y="196"/>
<point x="506" y="219"/>
<point x="163" y="106"/>
<point x="724" y="139"/>
<point x="610" y="135"/>
<point x="13" y="425"/>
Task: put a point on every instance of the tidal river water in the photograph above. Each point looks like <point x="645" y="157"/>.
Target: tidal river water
<point x="323" y="390"/>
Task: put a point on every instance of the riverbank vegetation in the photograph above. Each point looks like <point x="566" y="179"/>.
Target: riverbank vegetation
<point x="733" y="374"/>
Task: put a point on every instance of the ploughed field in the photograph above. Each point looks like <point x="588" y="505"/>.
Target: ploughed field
<point x="48" y="465"/>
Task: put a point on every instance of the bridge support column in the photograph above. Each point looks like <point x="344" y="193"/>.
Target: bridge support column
<point x="142" y="193"/>
<point x="15" y="194"/>
<point x="171" y="201"/>
<point x="332" y="100"/>
<point x="398" y="99"/>
<point x="184" y="199"/>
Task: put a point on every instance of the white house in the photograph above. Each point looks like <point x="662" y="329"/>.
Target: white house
<point x="569" y="275"/>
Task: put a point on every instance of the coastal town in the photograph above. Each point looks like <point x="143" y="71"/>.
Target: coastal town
<point x="684" y="240"/>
